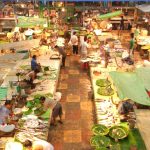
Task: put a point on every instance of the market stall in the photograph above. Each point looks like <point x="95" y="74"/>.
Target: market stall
<point x="32" y="121"/>
<point x="107" y="99"/>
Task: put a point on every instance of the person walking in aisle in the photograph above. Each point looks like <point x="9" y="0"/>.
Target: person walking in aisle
<point x="74" y="42"/>
<point x="131" y="47"/>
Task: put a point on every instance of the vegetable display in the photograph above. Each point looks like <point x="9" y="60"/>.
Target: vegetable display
<point x="105" y="91"/>
<point x="100" y="141"/>
<point x="104" y="87"/>
<point x="39" y="111"/>
<point x="115" y="147"/>
<point x="118" y="132"/>
<point x="100" y="129"/>
<point x="103" y="83"/>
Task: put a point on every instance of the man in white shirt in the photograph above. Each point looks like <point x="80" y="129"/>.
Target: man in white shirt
<point x="74" y="42"/>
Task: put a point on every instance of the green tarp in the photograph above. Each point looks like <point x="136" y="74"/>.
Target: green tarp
<point x="3" y="93"/>
<point x="109" y="15"/>
<point x="129" y="86"/>
<point x="29" y="22"/>
<point x="144" y="74"/>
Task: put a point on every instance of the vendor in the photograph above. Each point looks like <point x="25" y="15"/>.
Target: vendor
<point x="124" y="108"/>
<point x="30" y="77"/>
<point x="55" y="106"/>
<point x="43" y="40"/>
<point x="34" y="64"/>
<point x="38" y="145"/>
<point x="5" y="111"/>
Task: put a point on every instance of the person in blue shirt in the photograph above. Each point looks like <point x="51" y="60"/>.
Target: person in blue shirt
<point x="5" y="112"/>
<point x="34" y="64"/>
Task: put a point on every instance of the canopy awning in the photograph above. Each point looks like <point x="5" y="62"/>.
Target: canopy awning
<point x="109" y="15"/>
<point x="129" y="86"/>
<point x="144" y="7"/>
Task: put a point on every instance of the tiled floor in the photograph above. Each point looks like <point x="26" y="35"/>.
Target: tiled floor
<point x="77" y="104"/>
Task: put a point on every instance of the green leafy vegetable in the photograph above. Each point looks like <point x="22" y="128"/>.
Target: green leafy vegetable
<point x="105" y="91"/>
<point x="100" y="141"/>
<point x="28" y="112"/>
<point x="103" y="83"/>
<point x="118" y="132"/>
<point x="115" y="147"/>
<point x="99" y="129"/>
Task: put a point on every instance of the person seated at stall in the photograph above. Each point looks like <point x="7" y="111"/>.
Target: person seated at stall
<point x="34" y="65"/>
<point x="30" y="77"/>
<point x="124" y="108"/>
<point x="38" y="145"/>
<point x="16" y="37"/>
<point x="55" y="106"/>
<point x="29" y="34"/>
<point x="43" y="40"/>
<point x="5" y="112"/>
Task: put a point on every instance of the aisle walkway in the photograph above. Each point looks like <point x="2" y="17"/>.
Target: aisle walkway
<point x="75" y="86"/>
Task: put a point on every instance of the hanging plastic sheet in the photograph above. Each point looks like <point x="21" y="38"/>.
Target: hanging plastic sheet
<point x="129" y="86"/>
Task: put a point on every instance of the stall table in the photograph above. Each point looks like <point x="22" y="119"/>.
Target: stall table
<point x="143" y="123"/>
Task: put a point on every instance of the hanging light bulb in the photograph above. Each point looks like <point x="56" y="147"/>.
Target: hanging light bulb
<point x="63" y="9"/>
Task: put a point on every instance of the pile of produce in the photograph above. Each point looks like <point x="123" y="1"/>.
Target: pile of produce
<point x="100" y="129"/>
<point x="104" y="87"/>
<point x="103" y="83"/>
<point x="103" y="137"/>
<point x="98" y="141"/>
<point x="118" y="132"/>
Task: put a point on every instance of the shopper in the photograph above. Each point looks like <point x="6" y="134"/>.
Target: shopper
<point x="55" y="106"/>
<point x="34" y="65"/>
<point x="62" y="52"/>
<point x="84" y="51"/>
<point x="74" y="42"/>
<point x="121" y="26"/>
<point x="84" y="48"/>
<point x="38" y="145"/>
<point x="136" y="32"/>
<point x="131" y="47"/>
<point x="122" y="23"/>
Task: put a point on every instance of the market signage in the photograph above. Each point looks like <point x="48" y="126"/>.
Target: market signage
<point x="26" y="22"/>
